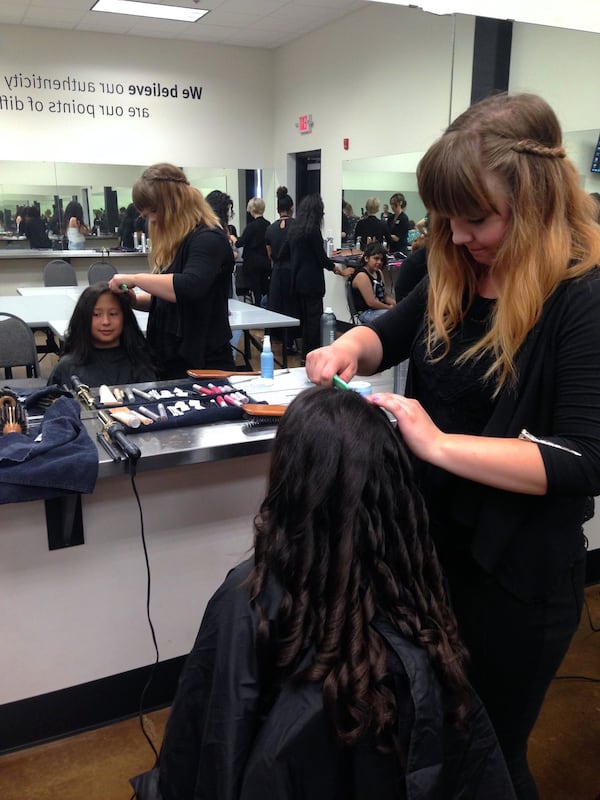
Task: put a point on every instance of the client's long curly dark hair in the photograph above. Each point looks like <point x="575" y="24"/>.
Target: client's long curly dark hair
<point x="343" y="529"/>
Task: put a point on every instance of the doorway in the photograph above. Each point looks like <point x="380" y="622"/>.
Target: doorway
<point x="308" y="174"/>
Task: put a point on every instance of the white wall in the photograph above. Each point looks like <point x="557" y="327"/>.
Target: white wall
<point x="245" y="117"/>
<point x="229" y="126"/>
<point x="381" y="77"/>
<point x="561" y="65"/>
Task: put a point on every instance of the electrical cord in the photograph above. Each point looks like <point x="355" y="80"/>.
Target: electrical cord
<point x="132" y="473"/>
<point x="149" y="618"/>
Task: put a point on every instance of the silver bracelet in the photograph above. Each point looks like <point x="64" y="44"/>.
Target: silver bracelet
<point x="531" y="438"/>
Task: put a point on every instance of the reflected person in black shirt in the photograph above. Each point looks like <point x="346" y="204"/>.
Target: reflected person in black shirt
<point x="34" y="228"/>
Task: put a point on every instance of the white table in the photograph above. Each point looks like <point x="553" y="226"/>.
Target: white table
<point x="246" y="317"/>
<point x="51" y="291"/>
<point x="37" y="310"/>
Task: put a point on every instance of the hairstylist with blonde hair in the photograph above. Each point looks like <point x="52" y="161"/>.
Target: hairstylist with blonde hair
<point x="502" y="412"/>
<point x="192" y="262"/>
<point x="255" y="257"/>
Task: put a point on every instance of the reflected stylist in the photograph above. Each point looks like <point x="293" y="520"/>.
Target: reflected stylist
<point x="186" y="294"/>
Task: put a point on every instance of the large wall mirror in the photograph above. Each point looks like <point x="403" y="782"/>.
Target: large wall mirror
<point x="382" y="176"/>
<point x="28" y="183"/>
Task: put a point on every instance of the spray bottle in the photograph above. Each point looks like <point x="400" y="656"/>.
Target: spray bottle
<point x="266" y="359"/>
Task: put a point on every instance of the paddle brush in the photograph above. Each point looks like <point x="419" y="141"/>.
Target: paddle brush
<point x="262" y="416"/>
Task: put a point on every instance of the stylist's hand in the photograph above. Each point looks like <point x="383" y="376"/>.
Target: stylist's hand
<point x="324" y="363"/>
<point x="421" y="435"/>
<point x="121" y="283"/>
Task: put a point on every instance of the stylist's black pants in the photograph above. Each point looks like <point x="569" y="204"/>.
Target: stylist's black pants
<point x="259" y="275"/>
<point x="516" y="649"/>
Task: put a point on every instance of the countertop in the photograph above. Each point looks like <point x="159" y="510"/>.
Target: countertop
<point x="175" y="447"/>
<point x="12" y="255"/>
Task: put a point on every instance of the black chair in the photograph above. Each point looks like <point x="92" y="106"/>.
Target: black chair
<point x="350" y="302"/>
<point x="242" y="282"/>
<point x="17" y="346"/>
<point x="100" y="271"/>
<point x="59" y="272"/>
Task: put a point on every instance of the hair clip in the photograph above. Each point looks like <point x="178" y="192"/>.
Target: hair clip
<point x="531" y="438"/>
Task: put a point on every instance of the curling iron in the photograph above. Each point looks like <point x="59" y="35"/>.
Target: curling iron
<point x="82" y="390"/>
<point x="116" y="432"/>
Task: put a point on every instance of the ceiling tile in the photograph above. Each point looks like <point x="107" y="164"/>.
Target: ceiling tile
<point x="255" y="23"/>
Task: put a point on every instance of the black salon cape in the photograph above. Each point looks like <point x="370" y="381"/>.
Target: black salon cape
<point x="219" y="746"/>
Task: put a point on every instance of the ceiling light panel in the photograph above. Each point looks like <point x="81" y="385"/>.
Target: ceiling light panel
<point x="153" y="10"/>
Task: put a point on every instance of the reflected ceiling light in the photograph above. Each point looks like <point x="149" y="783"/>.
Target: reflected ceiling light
<point x="155" y="10"/>
<point x="579" y="15"/>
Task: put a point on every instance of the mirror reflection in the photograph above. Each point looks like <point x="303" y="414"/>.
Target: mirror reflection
<point x="382" y="176"/>
<point x="103" y="190"/>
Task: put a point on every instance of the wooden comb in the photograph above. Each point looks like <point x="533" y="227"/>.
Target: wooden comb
<point x="208" y="374"/>
<point x="263" y="410"/>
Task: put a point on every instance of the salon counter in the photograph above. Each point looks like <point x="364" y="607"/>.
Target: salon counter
<point x="13" y="242"/>
<point x="26" y="267"/>
<point x="92" y="241"/>
<point x="96" y="241"/>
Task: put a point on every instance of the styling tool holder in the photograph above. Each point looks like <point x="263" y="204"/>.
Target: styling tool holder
<point x="26" y="408"/>
<point x="180" y="404"/>
<point x="13" y="415"/>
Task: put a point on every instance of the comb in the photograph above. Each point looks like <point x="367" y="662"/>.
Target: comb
<point x="206" y="374"/>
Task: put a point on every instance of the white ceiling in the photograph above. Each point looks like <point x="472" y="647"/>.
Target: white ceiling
<point x="249" y="23"/>
<point x="272" y="23"/>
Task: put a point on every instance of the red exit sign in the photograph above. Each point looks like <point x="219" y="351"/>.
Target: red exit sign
<point x="305" y="123"/>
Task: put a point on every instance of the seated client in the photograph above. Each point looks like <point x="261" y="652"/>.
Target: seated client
<point x="103" y="343"/>
<point x="328" y="665"/>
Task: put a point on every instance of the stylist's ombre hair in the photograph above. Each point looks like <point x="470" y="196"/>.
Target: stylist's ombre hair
<point x="343" y="530"/>
<point x="164" y="190"/>
<point x="551" y="234"/>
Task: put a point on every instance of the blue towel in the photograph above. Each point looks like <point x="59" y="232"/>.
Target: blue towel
<point x="61" y="460"/>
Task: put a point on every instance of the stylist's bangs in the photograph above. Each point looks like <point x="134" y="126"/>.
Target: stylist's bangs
<point x="451" y="178"/>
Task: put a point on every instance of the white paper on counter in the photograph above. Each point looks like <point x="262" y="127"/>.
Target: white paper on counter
<point x="286" y="385"/>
